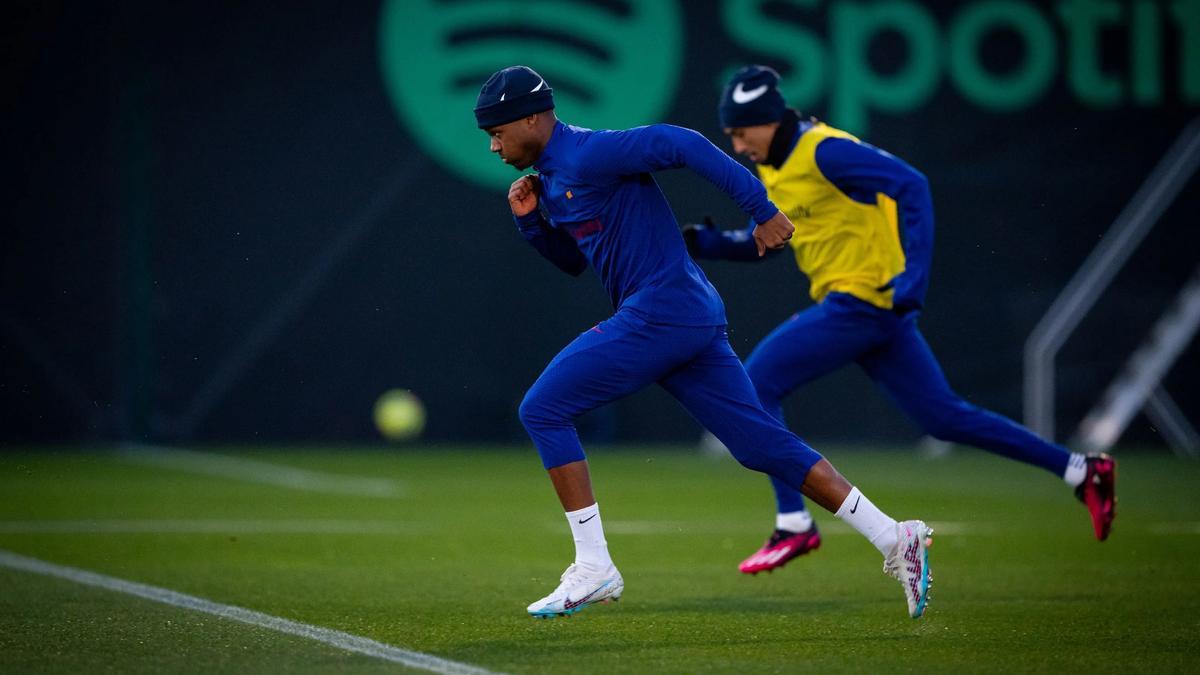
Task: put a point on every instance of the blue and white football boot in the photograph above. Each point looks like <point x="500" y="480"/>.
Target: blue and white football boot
<point x="908" y="562"/>
<point x="580" y="588"/>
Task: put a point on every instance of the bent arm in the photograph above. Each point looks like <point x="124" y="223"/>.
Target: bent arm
<point x="663" y="146"/>
<point x="555" y="245"/>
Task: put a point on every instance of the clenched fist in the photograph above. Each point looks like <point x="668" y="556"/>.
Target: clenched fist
<point x="772" y="234"/>
<point x="522" y="195"/>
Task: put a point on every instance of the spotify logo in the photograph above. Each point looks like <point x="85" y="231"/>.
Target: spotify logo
<point x="611" y="64"/>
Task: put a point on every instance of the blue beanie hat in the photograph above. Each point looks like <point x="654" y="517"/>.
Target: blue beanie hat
<point x="511" y="94"/>
<point x="751" y="98"/>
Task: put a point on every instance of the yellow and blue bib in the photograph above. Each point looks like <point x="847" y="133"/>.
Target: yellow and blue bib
<point x="840" y="244"/>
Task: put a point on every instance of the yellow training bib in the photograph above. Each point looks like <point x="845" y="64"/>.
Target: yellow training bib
<point x="841" y="245"/>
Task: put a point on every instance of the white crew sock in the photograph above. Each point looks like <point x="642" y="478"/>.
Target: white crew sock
<point x="795" y="521"/>
<point x="878" y="527"/>
<point x="591" y="550"/>
<point x="1076" y="469"/>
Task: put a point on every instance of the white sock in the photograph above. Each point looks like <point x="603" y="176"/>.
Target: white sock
<point x="1076" y="469"/>
<point x="591" y="550"/>
<point x="795" y="521"/>
<point x="878" y="527"/>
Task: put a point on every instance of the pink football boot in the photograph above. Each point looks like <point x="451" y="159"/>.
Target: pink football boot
<point x="780" y="548"/>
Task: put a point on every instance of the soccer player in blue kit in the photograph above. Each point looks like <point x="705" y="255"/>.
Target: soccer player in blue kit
<point x="864" y="239"/>
<point x="594" y="201"/>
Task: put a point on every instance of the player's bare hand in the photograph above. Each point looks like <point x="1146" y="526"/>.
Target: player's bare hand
<point x="523" y="195"/>
<point x="774" y="233"/>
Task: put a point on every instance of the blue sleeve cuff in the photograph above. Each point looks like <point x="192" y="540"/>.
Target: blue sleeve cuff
<point x="764" y="212"/>
<point x="531" y="223"/>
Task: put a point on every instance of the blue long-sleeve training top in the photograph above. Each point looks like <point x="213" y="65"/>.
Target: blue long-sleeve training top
<point x="596" y="189"/>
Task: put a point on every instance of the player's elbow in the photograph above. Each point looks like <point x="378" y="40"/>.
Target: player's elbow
<point x="576" y="268"/>
<point x="572" y="264"/>
<point x="910" y="177"/>
<point x="918" y="182"/>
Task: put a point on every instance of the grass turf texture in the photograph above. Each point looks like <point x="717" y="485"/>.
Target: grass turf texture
<point x="448" y="567"/>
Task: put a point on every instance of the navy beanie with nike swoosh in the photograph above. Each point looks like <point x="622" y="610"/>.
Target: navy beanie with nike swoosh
<point x="751" y="98"/>
<point x="510" y="94"/>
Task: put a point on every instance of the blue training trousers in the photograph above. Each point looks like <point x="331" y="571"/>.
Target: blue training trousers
<point x="892" y="351"/>
<point x="694" y="364"/>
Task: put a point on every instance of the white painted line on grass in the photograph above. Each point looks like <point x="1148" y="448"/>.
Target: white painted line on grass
<point x="336" y="638"/>
<point x="255" y="471"/>
<point x="638" y="527"/>
<point x="357" y="527"/>
<point x="955" y="529"/>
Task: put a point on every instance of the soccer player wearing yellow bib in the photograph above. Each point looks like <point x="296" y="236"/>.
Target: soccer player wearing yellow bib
<point x="864" y="239"/>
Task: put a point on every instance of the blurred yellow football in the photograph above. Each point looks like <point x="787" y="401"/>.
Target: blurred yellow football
<point x="399" y="415"/>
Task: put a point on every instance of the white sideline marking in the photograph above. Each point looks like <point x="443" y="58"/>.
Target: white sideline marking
<point x="208" y="527"/>
<point x="980" y="529"/>
<point x="336" y="638"/>
<point x="254" y="471"/>
<point x="832" y="528"/>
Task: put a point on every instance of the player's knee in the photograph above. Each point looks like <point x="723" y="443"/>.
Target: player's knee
<point x="752" y="456"/>
<point x="789" y="464"/>
<point x="755" y="461"/>
<point x="534" y="412"/>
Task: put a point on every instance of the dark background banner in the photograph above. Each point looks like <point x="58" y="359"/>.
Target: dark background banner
<point x="245" y="221"/>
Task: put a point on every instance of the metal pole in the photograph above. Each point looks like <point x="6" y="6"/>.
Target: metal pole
<point x="1095" y="274"/>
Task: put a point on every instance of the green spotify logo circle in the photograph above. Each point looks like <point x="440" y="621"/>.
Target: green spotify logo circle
<point x="612" y="65"/>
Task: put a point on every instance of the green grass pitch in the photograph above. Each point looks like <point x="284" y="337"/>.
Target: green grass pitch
<point x="447" y="566"/>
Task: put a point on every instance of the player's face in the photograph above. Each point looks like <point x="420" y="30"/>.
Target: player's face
<point x="515" y="143"/>
<point x="753" y="142"/>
